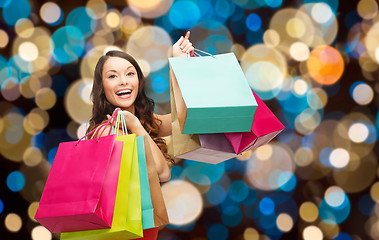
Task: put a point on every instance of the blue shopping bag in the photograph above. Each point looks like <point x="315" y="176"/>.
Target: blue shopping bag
<point x="212" y="94"/>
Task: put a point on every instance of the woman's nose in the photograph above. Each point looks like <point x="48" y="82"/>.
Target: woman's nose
<point x="123" y="80"/>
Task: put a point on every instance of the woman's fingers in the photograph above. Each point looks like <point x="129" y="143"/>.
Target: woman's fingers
<point x="187" y="35"/>
<point x="180" y="41"/>
<point x="187" y="48"/>
<point x="184" y="44"/>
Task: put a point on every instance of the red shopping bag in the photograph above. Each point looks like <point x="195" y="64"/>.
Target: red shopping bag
<point x="265" y="127"/>
<point x="81" y="187"/>
<point x="149" y="234"/>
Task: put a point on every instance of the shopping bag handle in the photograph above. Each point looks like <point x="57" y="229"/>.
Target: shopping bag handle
<point x="120" y="118"/>
<point x="111" y="121"/>
<point x="194" y="54"/>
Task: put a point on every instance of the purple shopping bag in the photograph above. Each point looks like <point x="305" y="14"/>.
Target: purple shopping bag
<point x="81" y="187"/>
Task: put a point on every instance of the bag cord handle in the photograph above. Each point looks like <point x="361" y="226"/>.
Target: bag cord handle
<point x="193" y="53"/>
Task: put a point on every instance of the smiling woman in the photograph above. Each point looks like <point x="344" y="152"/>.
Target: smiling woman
<point x="120" y="83"/>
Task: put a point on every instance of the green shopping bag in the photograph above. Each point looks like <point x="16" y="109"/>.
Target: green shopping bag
<point x="127" y="219"/>
<point x="212" y="94"/>
<point x="146" y="203"/>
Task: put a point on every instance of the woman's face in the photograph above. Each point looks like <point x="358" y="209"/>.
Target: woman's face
<point x="120" y="82"/>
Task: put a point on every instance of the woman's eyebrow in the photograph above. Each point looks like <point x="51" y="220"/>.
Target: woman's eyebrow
<point x="112" y="70"/>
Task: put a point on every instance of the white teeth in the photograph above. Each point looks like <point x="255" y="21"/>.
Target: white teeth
<point x="123" y="92"/>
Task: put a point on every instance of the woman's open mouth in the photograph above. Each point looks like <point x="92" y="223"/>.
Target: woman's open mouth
<point x="125" y="93"/>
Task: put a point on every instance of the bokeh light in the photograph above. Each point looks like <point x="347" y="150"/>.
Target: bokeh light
<point x="284" y="222"/>
<point x="15" y="181"/>
<point x="41" y="233"/>
<point x="13" y="222"/>
<point x="367" y="9"/>
<point x="67" y="44"/>
<point x="51" y="13"/>
<point x="180" y="10"/>
<point x="151" y="44"/>
<point x="325" y="65"/>
<point x="312" y="233"/>
<point x="183" y="202"/>
<point x="308" y="211"/>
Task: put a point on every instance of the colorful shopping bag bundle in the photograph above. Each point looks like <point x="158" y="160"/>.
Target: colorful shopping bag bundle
<point x="215" y="114"/>
<point x="134" y="199"/>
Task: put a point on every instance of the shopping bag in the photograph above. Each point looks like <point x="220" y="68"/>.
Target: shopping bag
<point x="147" y="205"/>
<point x="150" y="231"/>
<point x="127" y="220"/>
<point x="209" y="148"/>
<point x="149" y="234"/>
<point x="159" y="206"/>
<point x="81" y="187"/>
<point x="212" y="94"/>
<point x="265" y="127"/>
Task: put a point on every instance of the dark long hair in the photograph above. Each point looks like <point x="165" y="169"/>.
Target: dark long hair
<point x="143" y="105"/>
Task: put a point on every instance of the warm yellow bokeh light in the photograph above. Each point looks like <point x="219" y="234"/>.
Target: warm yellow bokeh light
<point x="113" y="19"/>
<point x="299" y="51"/>
<point x="300" y="87"/>
<point x="41" y="233"/>
<point x="183" y="201"/>
<point x="4" y="39"/>
<point x="358" y="132"/>
<point x="374" y="192"/>
<point x="28" y="51"/>
<point x="284" y="222"/>
<point x="24" y="28"/>
<point x="295" y="28"/>
<point x="13" y="222"/>
<point x="339" y="158"/>
<point x="308" y="212"/>
<point x="264" y="152"/>
<point x="312" y="233"/>
<point x="32" y="209"/>
<point x="250" y="234"/>
<point x="32" y="156"/>
<point x="303" y="156"/>
<point x="367" y="9"/>
<point x="271" y="38"/>
<point x="45" y="98"/>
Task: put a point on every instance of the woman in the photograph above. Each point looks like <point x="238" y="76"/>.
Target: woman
<point x="119" y="83"/>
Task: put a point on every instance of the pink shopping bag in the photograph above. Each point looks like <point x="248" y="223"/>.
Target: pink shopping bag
<point x="265" y="127"/>
<point x="81" y="187"/>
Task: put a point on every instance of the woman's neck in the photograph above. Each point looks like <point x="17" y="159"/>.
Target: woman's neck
<point x="129" y="109"/>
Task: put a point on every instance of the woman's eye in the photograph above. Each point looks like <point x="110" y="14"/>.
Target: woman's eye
<point x="130" y="73"/>
<point x="112" y="76"/>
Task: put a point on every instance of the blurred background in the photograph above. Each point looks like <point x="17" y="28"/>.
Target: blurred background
<point x="314" y="63"/>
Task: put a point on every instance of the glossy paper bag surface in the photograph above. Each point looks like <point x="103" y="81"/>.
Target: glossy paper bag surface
<point x="81" y="188"/>
<point x="212" y="95"/>
<point x="146" y="203"/>
<point x="159" y="206"/>
<point x="265" y="127"/>
<point x="127" y="220"/>
<point x="209" y="148"/>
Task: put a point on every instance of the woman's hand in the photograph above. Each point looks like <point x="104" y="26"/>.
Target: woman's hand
<point x="182" y="46"/>
<point x="132" y="122"/>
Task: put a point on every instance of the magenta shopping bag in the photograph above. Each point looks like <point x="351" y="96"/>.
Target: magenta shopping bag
<point x="265" y="127"/>
<point x="81" y="187"/>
